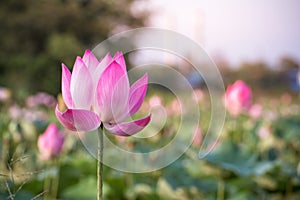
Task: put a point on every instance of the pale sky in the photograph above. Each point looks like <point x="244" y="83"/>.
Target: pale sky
<point x="239" y="30"/>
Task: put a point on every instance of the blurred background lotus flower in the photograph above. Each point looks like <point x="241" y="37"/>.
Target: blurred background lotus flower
<point x="5" y="94"/>
<point x="238" y="98"/>
<point x="197" y="137"/>
<point x="174" y="108"/>
<point x="155" y="101"/>
<point x="50" y="143"/>
<point x="264" y="132"/>
<point x="15" y="112"/>
<point x="41" y="98"/>
<point x="198" y="95"/>
<point x="256" y="111"/>
<point x="99" y="92"/>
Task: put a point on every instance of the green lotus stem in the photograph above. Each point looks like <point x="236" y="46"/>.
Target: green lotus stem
<point x="100" y="164"/>
<point x="288" y="190"/>
<point x="55" y="181"/>
<point x="221" y="190"/>
<point x="47" y="182"/>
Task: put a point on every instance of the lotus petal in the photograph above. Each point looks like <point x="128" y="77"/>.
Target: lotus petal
<point x="78" y="120"/>
<point x="137" y="94"/>
<point x="65" y="86"/>
<point x="82" y="89"/>
<point x="128" y="128"/>
<point x="119" y="58"/>
<point x="112" y="93"/>
<point x="103" y="64"/>
<point x="90" y="61"/>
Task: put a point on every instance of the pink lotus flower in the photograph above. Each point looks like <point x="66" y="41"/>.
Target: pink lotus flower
<point x="238" y="98"/>
<point x="98" y="91"/>
<point x="50" y="142"/>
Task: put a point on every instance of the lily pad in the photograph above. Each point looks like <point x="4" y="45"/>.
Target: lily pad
<point x="239" y="160"/>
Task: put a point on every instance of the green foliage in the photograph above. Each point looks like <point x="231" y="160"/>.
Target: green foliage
<point x="239" y="160"/>
<point x="245" y="164"/>
<point x="85" y="189"/>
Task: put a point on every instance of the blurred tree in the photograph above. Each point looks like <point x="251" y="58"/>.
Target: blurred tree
<point x="289" y="68"/>
<point x="288" y="63"/>
<point x="36" y="36"/>
<point x="261" y="76"/>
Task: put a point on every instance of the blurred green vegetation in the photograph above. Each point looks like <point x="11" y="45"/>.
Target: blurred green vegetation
<point x="37" y="36"/>
<point x="264" y="78"/>
<point x="256" y="157"/>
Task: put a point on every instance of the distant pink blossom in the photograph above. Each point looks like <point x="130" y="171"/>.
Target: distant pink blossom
<point x="174" y="108"/>
<point x="198" y="95"/>
<point x="256" y="111"/>
<point x="34" y="115"/>
<point x="5" y="94"/>
<point x="264" y="132"/>
<point x="50" y="142"/>
<point x="15" y="112"/>
<point x="155" y="101"/>
<point x="98" y="91"/>
<point x="41" y="98"/>
<point x="271" y="115"/>
<point x="238" y="98"/>
<point x="197" y="138"/>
